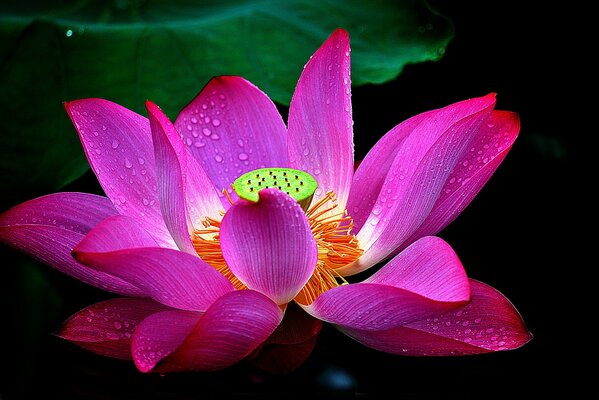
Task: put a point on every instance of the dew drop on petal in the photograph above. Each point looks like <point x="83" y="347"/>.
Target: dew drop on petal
<point x="218" y="158"/>
<point x="128" y="163"/>
<point x="115" y="144"/>
<point x="206" y="132"/>
<point x="215" y="122"/>
<point x="243" y="156"/>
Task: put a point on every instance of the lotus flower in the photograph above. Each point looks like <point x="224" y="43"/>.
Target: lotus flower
<point x="214" y="224"/>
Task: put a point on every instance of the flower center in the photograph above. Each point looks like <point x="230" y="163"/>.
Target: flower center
<point x="336" y="246"/>
<point x="298" y="184"/>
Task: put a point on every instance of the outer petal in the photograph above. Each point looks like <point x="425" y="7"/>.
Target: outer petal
<point x="171" y="170"/>
<point x="118" y="232"/>
<point x="417" y="176"/>
<point x="427" y="278"/>
<point x="268" y="245"/>
<point x="370" y="174"/>
<point x="370" y="306"/>
<point x="320" y="119"/>
<point x="231" y="128"/>
<point x="118" y="146"/>
<point x="488" y="323"/>
<point x="170" y="277"/>
<point x="428" y="267"/>
<point x="106" y="327"/>
<point x="231" y="328"/>
<point x="492" y="143"/>
<point x="49" y="227"/>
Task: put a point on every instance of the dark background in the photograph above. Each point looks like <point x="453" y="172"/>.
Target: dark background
<point x="513" y="236"/>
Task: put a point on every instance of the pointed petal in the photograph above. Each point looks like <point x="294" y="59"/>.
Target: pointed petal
<point x="417" y="176"/>
<point x="106" y="328"/>
<point x="231" y="328"/>
<point x="118" y="146"/>
<point x="268" y="245"/>
<point x="171" y="163"/>
<point x="320" y="119"/>
<point x="428" y="267"/>
<point x="232" y="127"/>
<point x="118" y="232"/>
<point x="49" y="227"/>
<point x="372" y="306"/>
<point x="371" y="172"/>
<point x="492" y="143"/>
<point x="170" y="277"/>
<point x="488" y="323"/>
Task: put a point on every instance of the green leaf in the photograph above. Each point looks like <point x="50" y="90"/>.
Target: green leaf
<point x="129" y="51"/>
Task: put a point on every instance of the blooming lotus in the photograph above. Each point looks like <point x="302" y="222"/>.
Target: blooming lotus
<point x="212" y="226"/>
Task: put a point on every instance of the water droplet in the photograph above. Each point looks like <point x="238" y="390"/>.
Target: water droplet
<point x="207" y="120"/>
<point x="68" y="33"/>
<point x="240" y="142"/>
<point x="188" y="141"/>
<point x="98" y="151"/>
<point x="376" y="210"/>
<point x="204" y="106"/>
<point x="199" y="144"/>
<point x="118" y="325"/>
<point x="189" y="127"/>
<point x="206" y="132"/>
<point x="467" y="340"/>
<point x="218" y="158"/>
<point x="243" y="156"/>
<point x="214" y="136"/>
<point x="141" y="161"/>
<point x="215" y="122"/>
<point x="491" y="124"/>
<point x="128" y="163"/>
<point x="146" y="202"/>
<point x="306" y="151"/>
<point x="465" y="163"/>
<point x="194" y="120"/>
<point x="459" y="313"/>
<point x="345" y="81"/>
<point x="478" y="320"/>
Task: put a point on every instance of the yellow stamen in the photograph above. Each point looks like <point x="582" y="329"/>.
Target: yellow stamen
<point x="336" y="247"/>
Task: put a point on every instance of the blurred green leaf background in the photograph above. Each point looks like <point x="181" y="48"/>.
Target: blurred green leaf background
<point x="129" y="51"/>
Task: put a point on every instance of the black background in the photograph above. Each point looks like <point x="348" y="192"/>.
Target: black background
<point x="513" y="236"/>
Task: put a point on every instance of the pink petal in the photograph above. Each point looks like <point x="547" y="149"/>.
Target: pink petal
<point x="170" y="277"/>
<point x="171" y="171"/>
<point x="118" y="146"/>
<point x="373" y="306"/>
<point x="490" y="146"/>
<point x="488" y="323"/>
<point x="320" y="119"/>
<point x="268" y="245"/>
<point x="106" y="328"/>
<point x="371" y="172"/>
<point x="49" y="227"/>
<point x="232" y="127"/>
<point x="417" y="176"/>
<point x="231" y="328"/>
<point x="428" y="267"/>
<point x="118" y="232"/>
